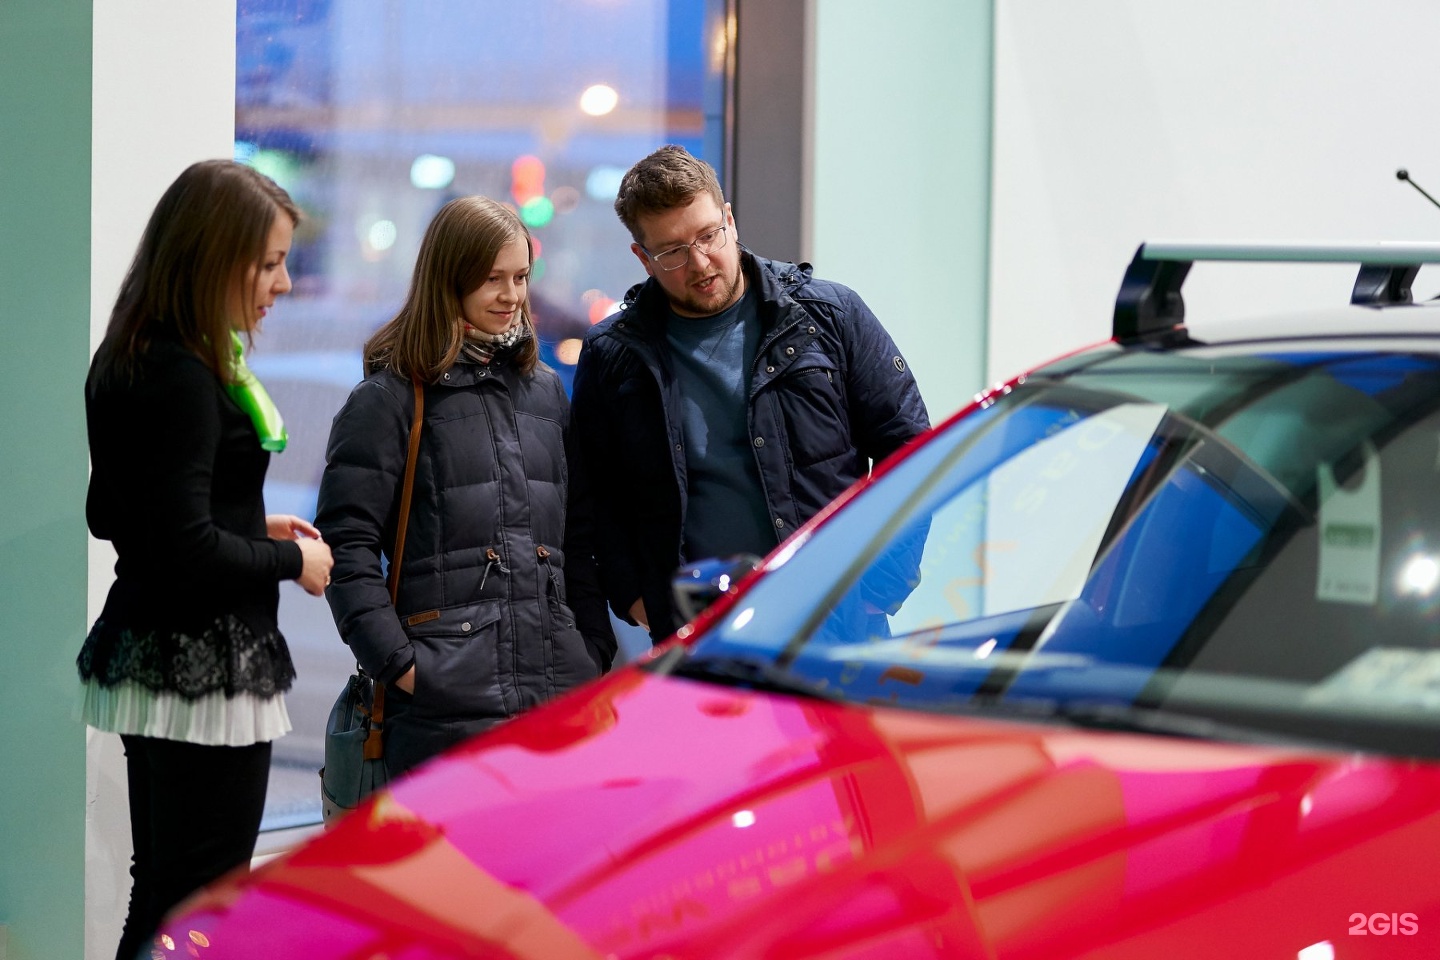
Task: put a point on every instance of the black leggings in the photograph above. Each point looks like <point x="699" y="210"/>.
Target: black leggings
<point x="194" y="815"/>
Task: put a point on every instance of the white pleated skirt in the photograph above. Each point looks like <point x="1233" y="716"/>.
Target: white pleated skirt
<point x="212" y="720"/>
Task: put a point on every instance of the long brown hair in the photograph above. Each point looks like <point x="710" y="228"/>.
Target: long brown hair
<point x="209" y="227"/>
<point x="424" y="339"/>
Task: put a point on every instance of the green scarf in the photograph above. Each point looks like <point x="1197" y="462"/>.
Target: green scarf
<point x="251" y="397"/>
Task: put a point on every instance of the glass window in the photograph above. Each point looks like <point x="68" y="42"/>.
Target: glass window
<point x="1247" y="540"/>
<point x="375" y="114"/>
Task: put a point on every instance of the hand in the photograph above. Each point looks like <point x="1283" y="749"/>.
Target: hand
<point x="315" y="566"/>
<point x="637" y="613"/>
<point x="407" y="681"/>
<point x="284" y="526"/>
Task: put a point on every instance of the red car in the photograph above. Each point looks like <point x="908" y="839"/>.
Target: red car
<point x="1136" y="657"/>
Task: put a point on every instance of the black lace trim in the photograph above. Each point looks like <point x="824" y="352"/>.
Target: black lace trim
<point x="228" y="657"/>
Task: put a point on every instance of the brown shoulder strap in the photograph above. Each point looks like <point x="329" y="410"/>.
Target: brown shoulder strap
<point x="374" y="746"/>
<point x="406" y="489"/>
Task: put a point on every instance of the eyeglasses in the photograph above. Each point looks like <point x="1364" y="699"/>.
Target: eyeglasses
<point x="677" y="257"/>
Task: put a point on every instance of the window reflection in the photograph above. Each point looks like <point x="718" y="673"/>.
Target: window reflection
<point x="373" y="115"/>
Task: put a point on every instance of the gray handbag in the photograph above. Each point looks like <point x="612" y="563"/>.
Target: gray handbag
<point x="354" y="733"/>
<point x="350" y="772"/>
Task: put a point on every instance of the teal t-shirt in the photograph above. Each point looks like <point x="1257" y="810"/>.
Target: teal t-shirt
<point x="712" y="358"/>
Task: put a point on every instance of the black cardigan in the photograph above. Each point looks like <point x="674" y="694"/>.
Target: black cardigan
<point x="176" y="484"/>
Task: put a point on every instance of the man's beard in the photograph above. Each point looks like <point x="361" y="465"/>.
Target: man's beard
<point x="712" y="304"/>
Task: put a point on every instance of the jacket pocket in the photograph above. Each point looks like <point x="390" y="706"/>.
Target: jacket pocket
<point x="817" y="424"/>
<point x="456" y="660"/>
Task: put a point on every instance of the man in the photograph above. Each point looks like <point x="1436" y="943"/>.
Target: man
<point x="729" y="399"/>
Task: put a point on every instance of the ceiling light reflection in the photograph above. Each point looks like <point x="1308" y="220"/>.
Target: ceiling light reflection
<point x="1420" y="575"/>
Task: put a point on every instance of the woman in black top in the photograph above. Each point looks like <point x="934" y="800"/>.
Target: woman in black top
<point x="186" y="661"/>
<point x="499" y="607"/>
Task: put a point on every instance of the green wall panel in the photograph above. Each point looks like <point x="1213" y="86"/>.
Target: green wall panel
<point x="45" y="56"/>
<point x="902" y="176"/>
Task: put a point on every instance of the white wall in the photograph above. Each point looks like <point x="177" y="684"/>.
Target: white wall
<point x="164" y="97"/>
<point x="1118" y="121"/>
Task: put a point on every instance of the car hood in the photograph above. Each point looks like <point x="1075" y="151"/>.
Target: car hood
<point x="646" y="816"/>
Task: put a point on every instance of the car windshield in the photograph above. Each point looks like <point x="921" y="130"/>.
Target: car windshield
<point x="1244" y="537"/>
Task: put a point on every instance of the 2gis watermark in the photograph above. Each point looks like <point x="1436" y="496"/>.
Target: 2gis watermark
<point x="1384" y="924"/>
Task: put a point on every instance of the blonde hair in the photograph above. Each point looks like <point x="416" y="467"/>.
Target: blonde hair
<point x="424" y="339"/>
<point x="210" y="226"/>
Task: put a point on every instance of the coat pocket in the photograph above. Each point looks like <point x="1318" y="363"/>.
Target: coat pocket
<point x="456" y="660"/>
<point x="811" y="402"/>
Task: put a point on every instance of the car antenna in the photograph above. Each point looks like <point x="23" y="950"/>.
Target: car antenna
<point x="1403" y="174"/>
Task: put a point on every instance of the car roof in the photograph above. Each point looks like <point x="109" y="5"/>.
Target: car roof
<point x="1414" y="322"/>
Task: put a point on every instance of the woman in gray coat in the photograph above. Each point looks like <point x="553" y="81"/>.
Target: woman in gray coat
<point x="498" y="605"/>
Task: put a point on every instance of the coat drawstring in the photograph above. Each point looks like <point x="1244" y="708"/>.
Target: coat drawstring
<point x="544" y="555"/>
<point x="492" y="559"/>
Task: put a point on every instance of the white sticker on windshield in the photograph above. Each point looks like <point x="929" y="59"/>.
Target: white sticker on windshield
<point x="1350" y="534"/>
<point x="1397" y="676"/>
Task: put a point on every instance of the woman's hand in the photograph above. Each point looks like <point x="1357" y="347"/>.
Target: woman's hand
<point x="283" y="526"/>
<point x="407" y="681"/>
<point x="316" y="563"/>
<point x="316" y="560"/>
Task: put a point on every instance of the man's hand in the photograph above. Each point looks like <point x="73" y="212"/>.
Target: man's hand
<point x="637" y="613"/>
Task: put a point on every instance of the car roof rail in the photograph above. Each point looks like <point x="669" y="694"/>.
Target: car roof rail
<point x="1149" y="304"/>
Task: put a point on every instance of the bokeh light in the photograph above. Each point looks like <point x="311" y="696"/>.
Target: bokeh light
<point x="537" y="211"/>
<point x="527" y="179"/>
<point x="432" y="172"/>
<point x="278" y="165"/>
<point x="599" y="99"/>
<point x="603" y="182"/>
<point x="600" y="308"/>
<point x="565" y="199"/>
<point x="567" y="351"/>
<point x="381" y="235"/>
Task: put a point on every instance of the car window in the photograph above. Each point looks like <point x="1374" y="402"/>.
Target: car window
<point x="1245" y="536"/>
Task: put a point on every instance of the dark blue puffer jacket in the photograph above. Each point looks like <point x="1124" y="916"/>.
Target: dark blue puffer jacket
<point x="829" y="394"/>
<point x="499" y="607"/>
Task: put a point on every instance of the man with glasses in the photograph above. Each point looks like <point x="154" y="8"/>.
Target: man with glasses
<point x="728" y="400"/>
